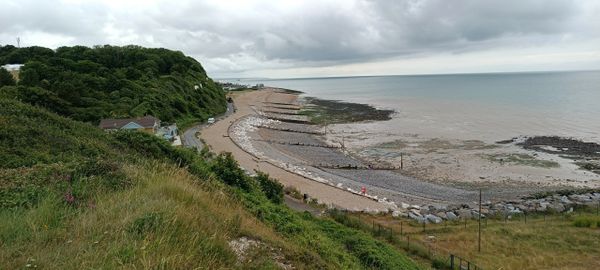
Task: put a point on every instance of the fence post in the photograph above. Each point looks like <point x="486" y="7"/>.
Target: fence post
<point x="525" y="213"/>
<point x="391" y="233"/>
<point x="373" y="226"/>
<point x="452" y="261"/>
<point x="408" y="240"/>
<point x="401" y="228"/>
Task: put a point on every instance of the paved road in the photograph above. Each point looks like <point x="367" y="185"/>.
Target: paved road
<point x="189" y="138"/>
<point x="300" y="206"/>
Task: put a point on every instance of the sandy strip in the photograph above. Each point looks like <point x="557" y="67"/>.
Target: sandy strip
<point x="247" y="103"/>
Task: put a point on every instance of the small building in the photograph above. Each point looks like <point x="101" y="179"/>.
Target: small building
<point x="147" y="123"/>
<point x="170" y="133"/>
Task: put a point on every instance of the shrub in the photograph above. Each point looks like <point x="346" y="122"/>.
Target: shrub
<point x="272" y="189"/>
<point x="586" y="222"/>
<point x="226" y="168"/>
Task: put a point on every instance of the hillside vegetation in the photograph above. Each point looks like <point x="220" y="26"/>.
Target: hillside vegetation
<point x="72" y="197"/>
<point x="88" y="84"/>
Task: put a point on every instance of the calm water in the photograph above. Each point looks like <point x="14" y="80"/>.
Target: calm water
<point x="471" y="106"/>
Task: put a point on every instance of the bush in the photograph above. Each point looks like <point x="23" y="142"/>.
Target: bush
<point x="586" y="222"/>
<point x="226" y="168"/>
<point x="270" y="187"/>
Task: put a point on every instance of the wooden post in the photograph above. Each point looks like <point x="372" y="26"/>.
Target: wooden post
<point x="401" y="161"/>
<point x="408" y="240"/>
<point x="452" y="261"/>
<point x="401" y="227"/>
<point x="479" y="232"/>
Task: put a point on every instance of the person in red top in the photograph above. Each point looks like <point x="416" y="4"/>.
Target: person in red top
<point x="363" y="190"/>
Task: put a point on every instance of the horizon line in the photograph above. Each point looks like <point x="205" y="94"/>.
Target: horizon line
<point x="408" y="75"/>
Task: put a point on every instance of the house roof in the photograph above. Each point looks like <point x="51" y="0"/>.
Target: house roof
<point x="145" y="122"/>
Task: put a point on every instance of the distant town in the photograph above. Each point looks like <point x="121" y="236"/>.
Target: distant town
<point x="229" y="86"/>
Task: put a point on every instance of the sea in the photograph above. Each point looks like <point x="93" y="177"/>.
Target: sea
<point x="488" y="107"/>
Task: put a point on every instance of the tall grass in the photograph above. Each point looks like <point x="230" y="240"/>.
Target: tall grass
<point x="557" y="241"/>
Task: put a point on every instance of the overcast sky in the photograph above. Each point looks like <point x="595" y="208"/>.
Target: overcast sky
<point x="244" y="38"/>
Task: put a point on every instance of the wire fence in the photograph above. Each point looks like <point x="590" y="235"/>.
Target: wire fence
<point x="410" y="241"/>
<point x="419" y="238"/>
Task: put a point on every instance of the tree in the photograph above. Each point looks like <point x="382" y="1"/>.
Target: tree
<point x="6" y="79"/>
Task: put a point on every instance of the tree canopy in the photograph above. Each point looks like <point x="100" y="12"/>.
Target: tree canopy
<point x="89" y="84"/>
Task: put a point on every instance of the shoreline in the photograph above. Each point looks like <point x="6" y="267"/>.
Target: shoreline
<point x="297" y="154"/>
<point x="218" y="139"/>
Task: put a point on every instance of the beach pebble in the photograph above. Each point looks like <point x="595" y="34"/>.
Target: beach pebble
<point x="465" y="213"/>
<point x="433" y="218"/>
<point x="451" y="216"/>
<point x="396" y="213"/>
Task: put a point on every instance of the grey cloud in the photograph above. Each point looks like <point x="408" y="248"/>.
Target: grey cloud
<point x="312" y="33"/>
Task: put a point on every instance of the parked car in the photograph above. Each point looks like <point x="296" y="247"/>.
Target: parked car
<point x="211" y="120"/>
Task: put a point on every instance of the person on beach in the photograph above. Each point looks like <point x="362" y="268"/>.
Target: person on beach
<point x="363" y="190"/>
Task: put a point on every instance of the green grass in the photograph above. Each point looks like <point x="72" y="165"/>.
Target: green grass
<point x="334" y="112"/>
<point x="587" y="221"/>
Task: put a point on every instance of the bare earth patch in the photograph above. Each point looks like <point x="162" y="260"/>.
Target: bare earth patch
<point x="244" y="247"/>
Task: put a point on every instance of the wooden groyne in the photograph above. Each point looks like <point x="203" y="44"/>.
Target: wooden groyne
<point x="298" y="143"/>
<point x="290" y="120"/>
<point x="354" y="167"/>
<point x="291" y="130"/>
<point x="281" y="112"/>
<point x="283" y="107"/>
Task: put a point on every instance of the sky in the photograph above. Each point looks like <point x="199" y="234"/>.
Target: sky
<point x="321" y="38"/>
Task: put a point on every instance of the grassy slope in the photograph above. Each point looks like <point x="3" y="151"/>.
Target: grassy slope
<point x="554" y="242"/>
<point x="72" y="196"/>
